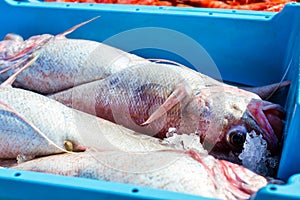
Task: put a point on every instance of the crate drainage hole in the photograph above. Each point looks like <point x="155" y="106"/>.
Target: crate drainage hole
<point x="267" y="17"/>
<point x="17" y="174"/>
<point x="210" y="13"/>
<point x="135" y="190"/>
<point x="273" y="188"/>
<point x="68" y="5"/>
<point x="137" y="9"/>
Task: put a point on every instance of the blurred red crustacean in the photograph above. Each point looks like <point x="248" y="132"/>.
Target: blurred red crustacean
<point x="261" y="5"/>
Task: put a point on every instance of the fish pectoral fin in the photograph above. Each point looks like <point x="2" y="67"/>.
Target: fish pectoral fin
<point x="23" y="158"/>
<point x="12" y="78"/>
<point x="176" y="97"/>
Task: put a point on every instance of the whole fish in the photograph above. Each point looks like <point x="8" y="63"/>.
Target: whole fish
<point x="114" y="154"/>
<point x="190" y="172"/>
<point x="141" y="95"/>
<point x="62" y="63"/>
<point x="34" y="125"/>
<point x="151" y="98"/>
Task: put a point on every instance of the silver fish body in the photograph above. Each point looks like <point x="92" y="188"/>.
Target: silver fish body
<point x="141" y="95"/>
<point x="62" y="63"/>
<point x="221" y="114"/>
<point x="208" y="177"/>
<point x="114" y="153"/>
<point x="33" y="125"/>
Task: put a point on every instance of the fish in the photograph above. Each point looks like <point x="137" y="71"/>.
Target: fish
<point x="111" y="152"/>
<point x="62" y="63"/>
<point x="32" y="125"/>
<point x="151" y="98"/>
<point x="143" y="95"/>
<point x="189" y="172"/>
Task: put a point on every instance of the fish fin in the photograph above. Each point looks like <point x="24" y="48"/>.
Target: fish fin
<point x="17" y="59"/>
<point x="176" y="97"/>
<point x="70" y="30"/>
<point x="7" y="108"/>
<point x="176" y="64"/>
<point x="266" y="92"/>
<point x="156" y="60"/>
<point x="11" y="79"/>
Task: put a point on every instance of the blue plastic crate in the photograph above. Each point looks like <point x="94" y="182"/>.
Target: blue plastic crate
<point x="248" y="47"/>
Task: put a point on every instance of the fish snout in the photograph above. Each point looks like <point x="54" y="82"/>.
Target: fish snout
<point x="270" y="119"/>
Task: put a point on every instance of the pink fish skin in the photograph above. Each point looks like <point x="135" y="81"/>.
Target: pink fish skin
<point x="34" y="125"/>
<point x="62" y="63"/>
<point x="102" y="80"/>
<point x="190" y="172"/>
<point x="151" y="98"/>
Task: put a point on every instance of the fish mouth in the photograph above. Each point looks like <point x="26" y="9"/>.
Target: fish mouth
<point x="270" y="119"/>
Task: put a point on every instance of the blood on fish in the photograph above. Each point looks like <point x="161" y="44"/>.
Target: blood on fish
<point x="148" y="97"/>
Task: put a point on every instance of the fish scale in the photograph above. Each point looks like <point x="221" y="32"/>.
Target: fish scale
<point x="184" y="174"/>
<point x="209" y="108"/>
<point x="113" y="153"/>
<point x="150" y="99"/>
<point x="29" y="118"/>
<point x="73" y="62"/>
<point x="32" y="125"/>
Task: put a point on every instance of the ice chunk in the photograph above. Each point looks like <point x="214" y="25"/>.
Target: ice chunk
<point x="256" y="157"/>
<point x="184" y="141"/>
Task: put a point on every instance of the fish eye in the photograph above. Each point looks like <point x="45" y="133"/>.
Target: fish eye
<point x="236" y="138"/>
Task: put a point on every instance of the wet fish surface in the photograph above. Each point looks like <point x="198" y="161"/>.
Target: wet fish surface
<point x="141" y="95"/>
<point x="208" y="177"/>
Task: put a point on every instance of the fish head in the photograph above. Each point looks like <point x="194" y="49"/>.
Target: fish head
<point x="268" y="120"/>
<point x="231" y="119"/>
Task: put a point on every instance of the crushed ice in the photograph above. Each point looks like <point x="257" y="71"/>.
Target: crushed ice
<point x="255" y="155"/>
<point x="183" y="141"/>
